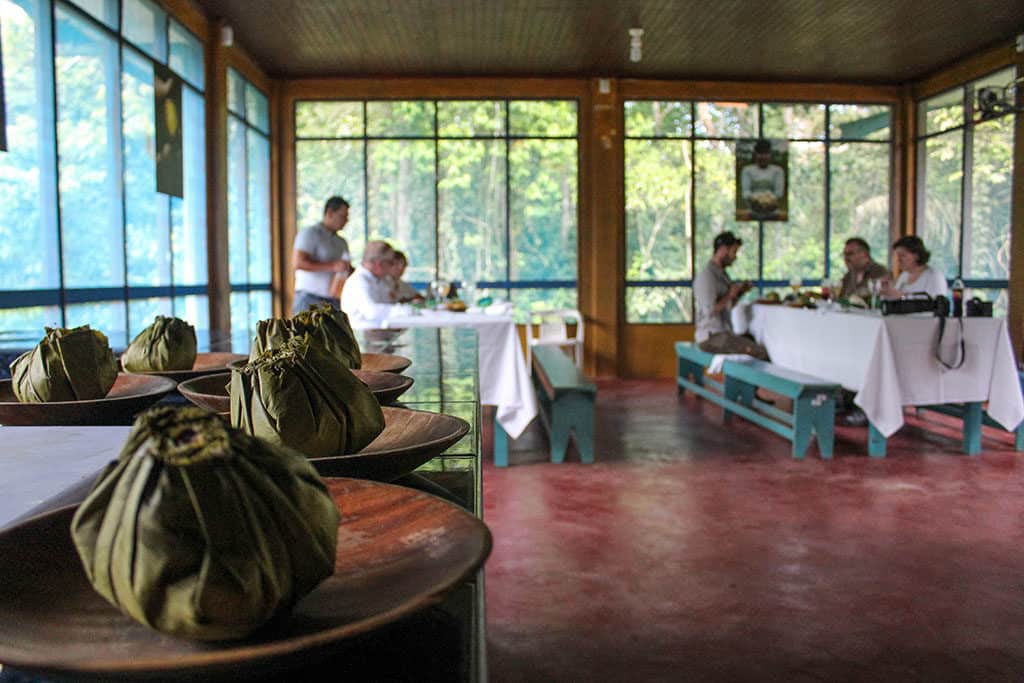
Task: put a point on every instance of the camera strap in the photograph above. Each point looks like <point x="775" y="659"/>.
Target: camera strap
<point x="938" y="345"/>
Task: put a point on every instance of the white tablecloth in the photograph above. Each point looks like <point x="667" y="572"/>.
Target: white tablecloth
<point x="504" y="379"/>
<point x="890" y="361"/>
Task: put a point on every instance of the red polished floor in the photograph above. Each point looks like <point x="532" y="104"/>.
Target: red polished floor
<point x="694" y="550"/>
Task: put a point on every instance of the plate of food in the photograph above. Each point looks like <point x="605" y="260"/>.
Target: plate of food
<point x="206" y="363"/>
<point x="130" y="394"/>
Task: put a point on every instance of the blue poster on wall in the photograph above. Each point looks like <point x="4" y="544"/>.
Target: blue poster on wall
<point x="170" y="177"/>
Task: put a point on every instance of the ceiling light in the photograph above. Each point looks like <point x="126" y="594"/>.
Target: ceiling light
<point x="636" y="44"/>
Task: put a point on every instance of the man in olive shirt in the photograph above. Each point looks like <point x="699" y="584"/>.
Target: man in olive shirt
<point x="860" y="269"/>
<point x="320" y="255"/>
<point x="714" y="295"/>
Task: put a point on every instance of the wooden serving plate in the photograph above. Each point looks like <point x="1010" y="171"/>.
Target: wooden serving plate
<point x="410" y="438"/>
<point x="385" y="362"/>
<point x="399" y="550"/>
<point x="206" y="363"/>
<point x="129" y="395"/>
<point x="386" y="386"/>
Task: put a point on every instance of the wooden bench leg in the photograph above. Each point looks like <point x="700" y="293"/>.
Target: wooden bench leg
<point x="876" y="442"/>
<point x="824" y="422"/>
<point x="584" y="429"/>
<point x="739" y="391"/>
<point x="1019" y="441"/>
<point x="559" y="436"/>
<point x="972" y="428"/>
<point x="803" y="422"/>
<point x="500" y="445"/>
<point x="572" y="414"/>
<point x="686" y="369"/>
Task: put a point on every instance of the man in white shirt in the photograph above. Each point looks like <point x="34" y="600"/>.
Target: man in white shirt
<point x="367" y="295"/>
<point x="319" y="255"/>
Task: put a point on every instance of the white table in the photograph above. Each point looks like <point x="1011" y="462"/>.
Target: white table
<point x="504" y="378"/>
<point x="890" y="360"/>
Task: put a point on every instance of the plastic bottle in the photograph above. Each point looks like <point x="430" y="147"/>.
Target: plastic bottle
<point x="957" y="290"/>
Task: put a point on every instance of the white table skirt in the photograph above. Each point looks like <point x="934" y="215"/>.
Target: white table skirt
<point x="890" y="361"/>
<point x="504" y="379"/>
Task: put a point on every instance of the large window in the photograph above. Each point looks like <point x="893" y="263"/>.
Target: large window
<point x="248" y="208"/>
<point x="680" y="161"/>
<point x="481" y="192"/>
<point x="85" y="238"/>
<point x="965" y="178"/>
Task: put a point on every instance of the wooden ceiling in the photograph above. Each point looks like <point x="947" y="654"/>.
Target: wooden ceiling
<point x="853" y="41"/>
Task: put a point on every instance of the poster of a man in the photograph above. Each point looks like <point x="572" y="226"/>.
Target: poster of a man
<point x="762" y="180"/>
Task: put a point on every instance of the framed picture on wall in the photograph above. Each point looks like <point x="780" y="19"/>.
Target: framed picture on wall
<point x="762" y="180"/>
<point x="170" y="175"/>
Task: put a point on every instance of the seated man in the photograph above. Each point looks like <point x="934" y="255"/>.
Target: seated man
<point x="367" y="293"/>
<point x="714" y="295"/>
<point x="403" y="292"/>
<point x="860" y="270"/>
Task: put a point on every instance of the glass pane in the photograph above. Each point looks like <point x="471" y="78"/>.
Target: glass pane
<point x="543" y="193"/>
<point x="104" y="10"/>
<point x="88" y="118"/>
<point x="28" y="196"/>
<point x="726" y="119"/>
<point x="238" y="210"/>
<point x="938" y="213"/>
<point x="145" y="24"/>
<point x="479" y="119"/>
<point x="987" y="247"/>
<point x="526" y="300"/>
<point x="860" y="121"/>
<point x="147" y="230"/>
<point x="658" y="209"/>
<point x="187" y="55"/>
<point x="188" y="215"/>
<point x="385" y="119"/>
<point x="328" y="119"/>
<point x="942" y="111"/>
<point x="22" y="328"/>
<point x="859" y="200"/>
<point x="142" y="312"/>
<point x="715" y="205"/>
<point x="794" y="121"/>
<point x="471" y="206"/>
<point x="195" y="310"/>
<point x="797" y="247"/>
<point x="258" y="206"/>
<point x="257" y="110"/>
<point x="324" y="168"/>
<point x="401" y="201"/>
<point x="240" y="335"/>
<point x="658" y="119"/>
<point x="105" y="316"/>
<point x="261" y="307"/>
<point x="236" y="93"/>
<point x="545" y="118"/>
<point x="999" y="82"/>
<point x="659" y="304"/>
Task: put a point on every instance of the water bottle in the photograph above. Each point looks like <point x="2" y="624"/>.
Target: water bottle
<point x="958" y="298"/>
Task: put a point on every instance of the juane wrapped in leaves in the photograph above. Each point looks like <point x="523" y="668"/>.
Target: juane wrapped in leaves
<point x="201" y="531"/>
<point x="66" y="365"/>
<point x="322" y="324"/>
<point x="167" y="344"/>
<point x="298" y="396"/>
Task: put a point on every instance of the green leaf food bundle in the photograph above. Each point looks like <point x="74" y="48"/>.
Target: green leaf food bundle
<point x="299" y="396"/>
<point x="322" y="324"/>
<point x="201" y="531"/>
<point x="167" y="344"/>
<point x="66" y="365"/>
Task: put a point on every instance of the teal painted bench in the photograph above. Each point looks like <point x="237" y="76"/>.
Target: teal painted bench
<point x="814" y="406"/>
<point x="566" y="400"/>
<point x="973" y="418"/>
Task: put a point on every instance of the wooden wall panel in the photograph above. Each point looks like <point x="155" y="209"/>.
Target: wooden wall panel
<point x="1016" y="312"/>
<point x="219" y="286"/>
<point x="650" y="350"/>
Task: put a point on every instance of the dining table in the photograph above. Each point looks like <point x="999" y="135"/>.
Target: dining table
<point x="894" y="361"/>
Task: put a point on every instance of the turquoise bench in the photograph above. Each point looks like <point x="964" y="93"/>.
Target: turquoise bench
<point x="813" y="398"/>
<point x="566" y="400"/>
<point x="973" y="418"/>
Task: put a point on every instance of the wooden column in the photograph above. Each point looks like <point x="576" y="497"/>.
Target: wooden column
<point x="219" y="287"/>
<point x="602" y="231"/>
<point x="1016" y="291"/>
<point x="904" y="193"/>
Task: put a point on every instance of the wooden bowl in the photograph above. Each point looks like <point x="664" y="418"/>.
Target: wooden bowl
<point x="399" y="550"/>
<point x="386" y="386"/>
<point x="129" y="395"/>
<point x="385" y="362"/>
<point x="410" y="438"/>
<point x="206" y="364"/>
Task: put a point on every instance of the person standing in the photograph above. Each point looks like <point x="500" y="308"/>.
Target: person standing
<point x="714" y="295"/>
<point x="320" y="255"/>
<point x="860" y="270"/>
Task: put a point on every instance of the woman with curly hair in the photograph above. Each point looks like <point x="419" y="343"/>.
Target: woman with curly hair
<point x="915" y="274"/>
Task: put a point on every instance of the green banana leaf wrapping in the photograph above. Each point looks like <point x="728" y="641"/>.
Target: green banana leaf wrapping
<point x="67" y="365"/>
<point x="201" y="531"/>
<point x="322" y="324"/>
<point x="299" y="396"/>
<point x="167" y="344"/>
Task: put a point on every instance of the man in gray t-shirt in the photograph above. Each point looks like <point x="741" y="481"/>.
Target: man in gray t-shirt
<point x="320" y="255"/>
<point x="714" y="295"/>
